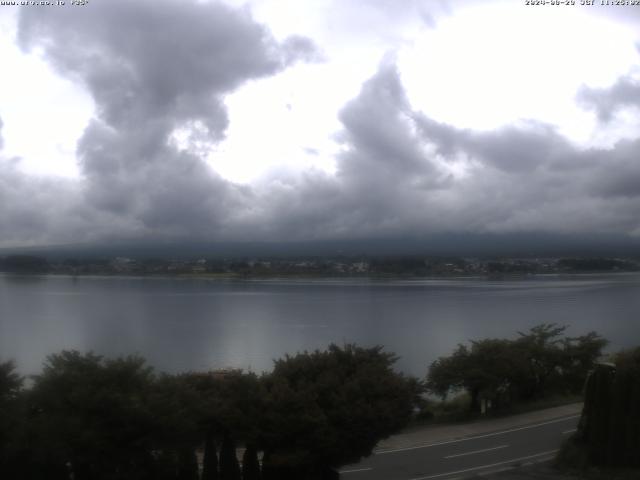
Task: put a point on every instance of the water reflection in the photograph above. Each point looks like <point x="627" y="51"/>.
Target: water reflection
<point x="199" y="324"/>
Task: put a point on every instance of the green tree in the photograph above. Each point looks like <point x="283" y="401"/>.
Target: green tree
<point x="537" y="363"/>
<point x="580" y="355"/>
<point x="230" y="403"/>
<point x="447" y="374"/>
<point x="229" y="466"/>
<point x="11" y="420"/>
<point x="210" y="460"/>
<point x="329" y="408"/>
<point x="187" y="464"/>
<point x="177" y="410"/>
<point x="487" y="371"/>
<point x="542" y="349"/>
<point x="250" y="464"/>
<point x="610" y="425"/>
<point x="10" y="382"/>
<point x="93" y="414"/>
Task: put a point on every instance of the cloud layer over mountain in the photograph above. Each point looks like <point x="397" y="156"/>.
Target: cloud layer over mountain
<point x="159" y="69"/>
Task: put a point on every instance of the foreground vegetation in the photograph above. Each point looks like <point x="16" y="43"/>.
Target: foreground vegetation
<point x="97" y="418"/>
<point x="88" y="417"/>
<point x="499" y="374"/>
<point x="607" y="442"/>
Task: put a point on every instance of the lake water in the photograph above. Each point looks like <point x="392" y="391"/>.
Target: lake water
<point x="185" y="324"/>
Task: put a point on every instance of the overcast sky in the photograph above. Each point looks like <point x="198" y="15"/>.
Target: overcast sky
<point x="316" y="119"/>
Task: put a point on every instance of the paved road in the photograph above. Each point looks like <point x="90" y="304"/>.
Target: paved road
<point x="465" y="457"/>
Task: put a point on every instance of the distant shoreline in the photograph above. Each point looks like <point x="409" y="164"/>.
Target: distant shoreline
<point x="406" y="267"/>
<point x="372" y="277"/>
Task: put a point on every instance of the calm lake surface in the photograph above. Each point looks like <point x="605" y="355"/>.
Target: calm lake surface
<point x="185" y="324"/>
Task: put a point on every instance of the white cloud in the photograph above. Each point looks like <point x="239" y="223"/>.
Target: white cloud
<point x="44" y="113"/>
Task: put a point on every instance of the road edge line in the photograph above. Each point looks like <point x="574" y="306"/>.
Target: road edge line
<point x="482" y="467"/>
<point x="475" y="437"/>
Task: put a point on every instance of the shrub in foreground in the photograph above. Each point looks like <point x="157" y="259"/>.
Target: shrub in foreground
<point x="90" y="418"/>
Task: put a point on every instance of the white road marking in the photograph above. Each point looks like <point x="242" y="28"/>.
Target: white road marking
<point x="476" y="451"/>
<point x="567" y="432"/>
<point x="486" y="466"/>
<point x="466" y="439"/>
<point x="356" y="470"/>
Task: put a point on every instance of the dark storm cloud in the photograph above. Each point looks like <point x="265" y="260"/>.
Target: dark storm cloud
<point x="606" y="101"/>
<point x="618" y="172"/>
<point x="154" y="69"/>
<point x="403" y="173"/>
<point x="378" y="129"/>
<point x="38" y="210"/>
<point x="521" y="148"/>
<point x="383" y="179"/>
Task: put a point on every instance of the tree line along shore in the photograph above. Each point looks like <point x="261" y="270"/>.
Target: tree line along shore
<point x="345" y="266"/>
